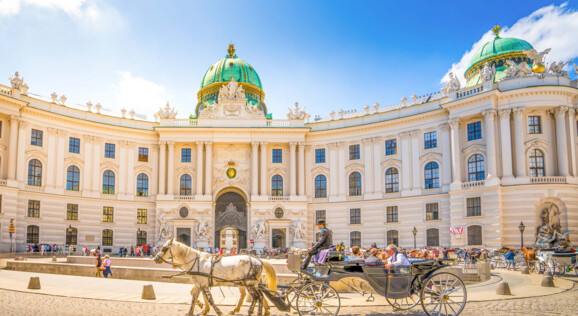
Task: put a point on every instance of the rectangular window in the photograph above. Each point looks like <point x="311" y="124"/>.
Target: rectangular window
<point x="534" y="126"/>
<point x="141" y="216"/>
<point x="72" y="212"/>
<point x="474" y="131"/>
<point x="353" y="152"/>
<point x="320" y="155"/>
<point x="431" y="140"/>
<point x="431" y="212"/>
<point x="143" y="154"/>
<point x="392" y="214"/>
<point x="32" y="234"/>
<point x="74" y="145"/>
<point x="355" y="216"/>
<point x="474" y="206"/>
<point x="185" y="155"/>
<point x="109" y="150"/>
<point x="108" y="214"/>
<point x="390" y="147"/>
<point x="319" y="215"/>
<point x="277" y="156"/>
<point x="355" y="238"/>
<point x="36" y="138"/>
<point x="33" y="208"/>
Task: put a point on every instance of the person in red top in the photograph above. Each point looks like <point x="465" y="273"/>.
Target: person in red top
<point x="145" y="249"/>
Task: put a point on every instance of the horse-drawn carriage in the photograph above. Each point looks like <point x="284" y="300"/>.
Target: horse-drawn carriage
<point x="555" y="261"/>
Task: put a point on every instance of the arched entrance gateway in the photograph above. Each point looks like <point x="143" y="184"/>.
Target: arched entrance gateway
<point x="231" y="221"/>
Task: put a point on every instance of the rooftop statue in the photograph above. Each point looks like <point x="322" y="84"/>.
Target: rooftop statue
<point x="537" y="59"/>
<point x="167" y="112"/>
<point x="297" y="114"/>
<point x="231" y="92"/>
<point x="16" y="81"/>
<point x="232" y="103"/>
<point x="488" y="73"/>
<point x="557" y="68"/>
<point x="452" y="85"/>
<point x="514" y="70"/>
<point x="549" y="234"/>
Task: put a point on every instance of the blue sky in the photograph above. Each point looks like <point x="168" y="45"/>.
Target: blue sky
<point x="327" y="55"/>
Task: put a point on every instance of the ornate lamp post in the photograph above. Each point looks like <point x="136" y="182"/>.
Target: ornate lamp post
<point x="414" y="231"/>
<point x="69" y="228"/>
<point x="521" y="227"/>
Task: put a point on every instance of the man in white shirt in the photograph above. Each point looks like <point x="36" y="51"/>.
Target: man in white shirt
<point x="396" y="258"/>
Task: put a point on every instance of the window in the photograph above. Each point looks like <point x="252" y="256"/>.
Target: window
<point x="32" y="232"/>
<point x="536" y="163"/>
<point x="186" y="185"/>
<point x="320" y="155"/>
<point x="279" y="212"/>
<point x="393" y="237"/>
<point x="185" y="155"/>
<point x="143" y="154"/>
<point x="277" y="185"/>
<point x="391" y="180"/>
<point x="476" y="169"/>
<point x="141" y="216"/>
<point x="35" y="173"/>
<point x="355" y="238"/>
<point x="184" y="212"/>
<point x="474" y="131"/>
<point x="142" y="185"/>
<point x="433" y="237"/>
<point x="355" y="216"/>
<point x="36" y="138"/>
<point x="431" y="140"/>
<point x="108" y="182"/>
<point x="72" y="178"/>
<point x="72" y="212"/>
<point x="108" y="214"/>
<point x="33" y="208"/>
<point x="277" y="156"/>
<point x="354" y="152"/>
<point x="534" y="126"/>
<point x="109" y="150"/>
<point x="319" y="215"/>
<point x="432" y="212"/>
<point x="71" y="236"/>
<point x="320" y="186"/>
<point x="107" y="237"/>
<point x="354" y="184"/>
<point x="474" y="206"/>
<point x="74" y="145"/>
<point x="141" y="237"/>
<point x="390" y="147"/>
<point x="475" y="235"/>
<point x="392" y="214"/>
<point x="432" y="176"/>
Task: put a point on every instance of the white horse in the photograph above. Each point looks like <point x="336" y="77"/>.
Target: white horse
<point x="203" y="272"/>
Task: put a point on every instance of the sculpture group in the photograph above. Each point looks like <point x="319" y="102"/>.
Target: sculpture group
<point x="549" y="233"/>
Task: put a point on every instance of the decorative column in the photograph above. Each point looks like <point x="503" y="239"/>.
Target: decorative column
<point x="88" y="165"/>
<point x="209" y="168"/>
<point x="60" y="160"/>
<point x="22" y="141"/>
<point x="130" y="176"/>
<point x="447" y="156"/>
<point x="368" y="183"/>
<point x="292" y="167"/>
<point x="572" y="133"/>
<point x="121" y="177"/>
<point x="12" y="147"/>
<point x="51" y="164"/>
<point x="379" y="177"/>
<point x="254" y="168"/>
<point x="416" y="171"/>
<point x="506" y="143"/>
<point x="309" y="185"/>
<point x="170" y="169"/>
<point x="162" y="167"/>
<point x="456" y="150"/>
<point x="264" y="169"/>
<point x="405" y="162"/>
<point x="343" y="184"/>
<point x="490" y="143"/>
<point x="333" y="182"/>
<point x="301" y="170"/>
<point x="561" y="142"/>
<point x="519" y="138"/>
<point x="199" y="171"/>
<point x="97" y="154"/>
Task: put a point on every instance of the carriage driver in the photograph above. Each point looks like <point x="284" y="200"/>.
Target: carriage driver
<point x="396" y="258"/>
<point x="325" y="242"/>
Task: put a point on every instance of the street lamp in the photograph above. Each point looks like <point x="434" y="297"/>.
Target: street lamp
<point x="521" y="227"/>
<point x="70" y="228"/>
<point x="414" y="231"/>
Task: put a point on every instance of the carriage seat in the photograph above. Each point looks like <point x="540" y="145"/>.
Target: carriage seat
<point x="334" y="256"/>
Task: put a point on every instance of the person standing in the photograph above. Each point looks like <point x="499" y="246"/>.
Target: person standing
<point x="131" y="250"/>
<point x="107" y="264"/>
<point x="324" y="242"/>
<point x="98" y="265"/>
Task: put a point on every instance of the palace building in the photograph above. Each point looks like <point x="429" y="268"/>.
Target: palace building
<point x="459" y="168"/>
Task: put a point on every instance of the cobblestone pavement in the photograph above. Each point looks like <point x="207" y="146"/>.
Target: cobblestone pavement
<point x="20" y="303"/>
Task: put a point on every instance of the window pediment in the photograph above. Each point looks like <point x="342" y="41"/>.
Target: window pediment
<point x="536" y="143"/>
<point x="354" y="166"/>
<point x="320" y="170"/>
<point x="73" y="161"/>
<point x="37" y="153"/>
<point x="475" y="148"/>
<point x="431" y="156"/>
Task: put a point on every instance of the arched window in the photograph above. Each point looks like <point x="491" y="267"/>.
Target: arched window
<point x="108" y="182"/>
<point x="476" y="168"/>
<point x="354" y="184"/>
<point x="432" y="175"/>
<point x="32" y="233"/>
<point x="186" y="185"/>
<point x="433" y="237"/>
<point x="475" y="235"/>
<point x="35" y="173"/>
<point x="391" y="180"/>
<point x="277" y="185"/>
<point x="537" y="163"/>
<point x="107" y="237"/>
<point x="142" y="185"/>
<point x="393" y="237"/>
<point x="320" y="186"/>
<point x="72" y="178"/>
<point x="355" y="238"/>
<point x="71" y="236"/>
<point x="141" y="237"/>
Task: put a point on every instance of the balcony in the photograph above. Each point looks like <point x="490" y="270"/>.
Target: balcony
<point x="319" y="200"/>
<point x="473" y="184"/>
<point x="354" y="197"/>
<point x="432" y="191"/>
<point x="391" y="195"/>
<point x="184" y="197"/>
<point x="34" y="188"/>
<point x="279" y="198"/>
<point x="469" y="91"/>
<point x="548" y="180"/>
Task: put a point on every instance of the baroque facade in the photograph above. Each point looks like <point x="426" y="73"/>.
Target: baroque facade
<point x="462" y="167"/>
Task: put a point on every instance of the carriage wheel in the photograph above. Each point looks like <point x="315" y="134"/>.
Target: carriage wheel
<point x="402" y="304"/>
<point x="538" y="267"/>
<point x="443" y="294"/>
<point x="318" y="299"/>
<point x="293" y="289"/>
<point x="520" y="262"/>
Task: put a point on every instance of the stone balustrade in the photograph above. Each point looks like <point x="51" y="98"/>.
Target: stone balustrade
<point x="473" y="184"/>
<point x="6" y="90"/>
<point x="391" y="195"/>
<point x="34" y="188"/>
<point x="470" y="91"/>
<point x="548" y="180"/>
<point x="3" y="182"/>
<point x="184" y="198"/>
<point x="279" y="198"/>
<point x="432" y="191"/>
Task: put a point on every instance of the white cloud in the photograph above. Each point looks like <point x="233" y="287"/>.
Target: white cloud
<point x="549" y="27"/>
<point x="144" y="96"/>
<point x="9" y="7"/>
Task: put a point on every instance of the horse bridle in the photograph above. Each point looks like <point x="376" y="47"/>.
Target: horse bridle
<point x="169" y="249"/>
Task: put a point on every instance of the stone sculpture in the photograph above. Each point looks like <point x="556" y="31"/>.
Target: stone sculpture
<point x="557" y="68"/>
<point x="488" y="73"/>
<point x="16" y="81"/>
<point x="258" y="229"/>
<point x="452" y="85"/>
<point x="549" y="234"/>
<point x="298" y="229"/>
<point x="514" y="70"/>
<point x="164" y="231"/>
<point x="167" y="112"/>
<point x="537" y="58"/>
<point x="202" y="230"/>
<point x="297" y="114"/>
<point x="231" y="92"/>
